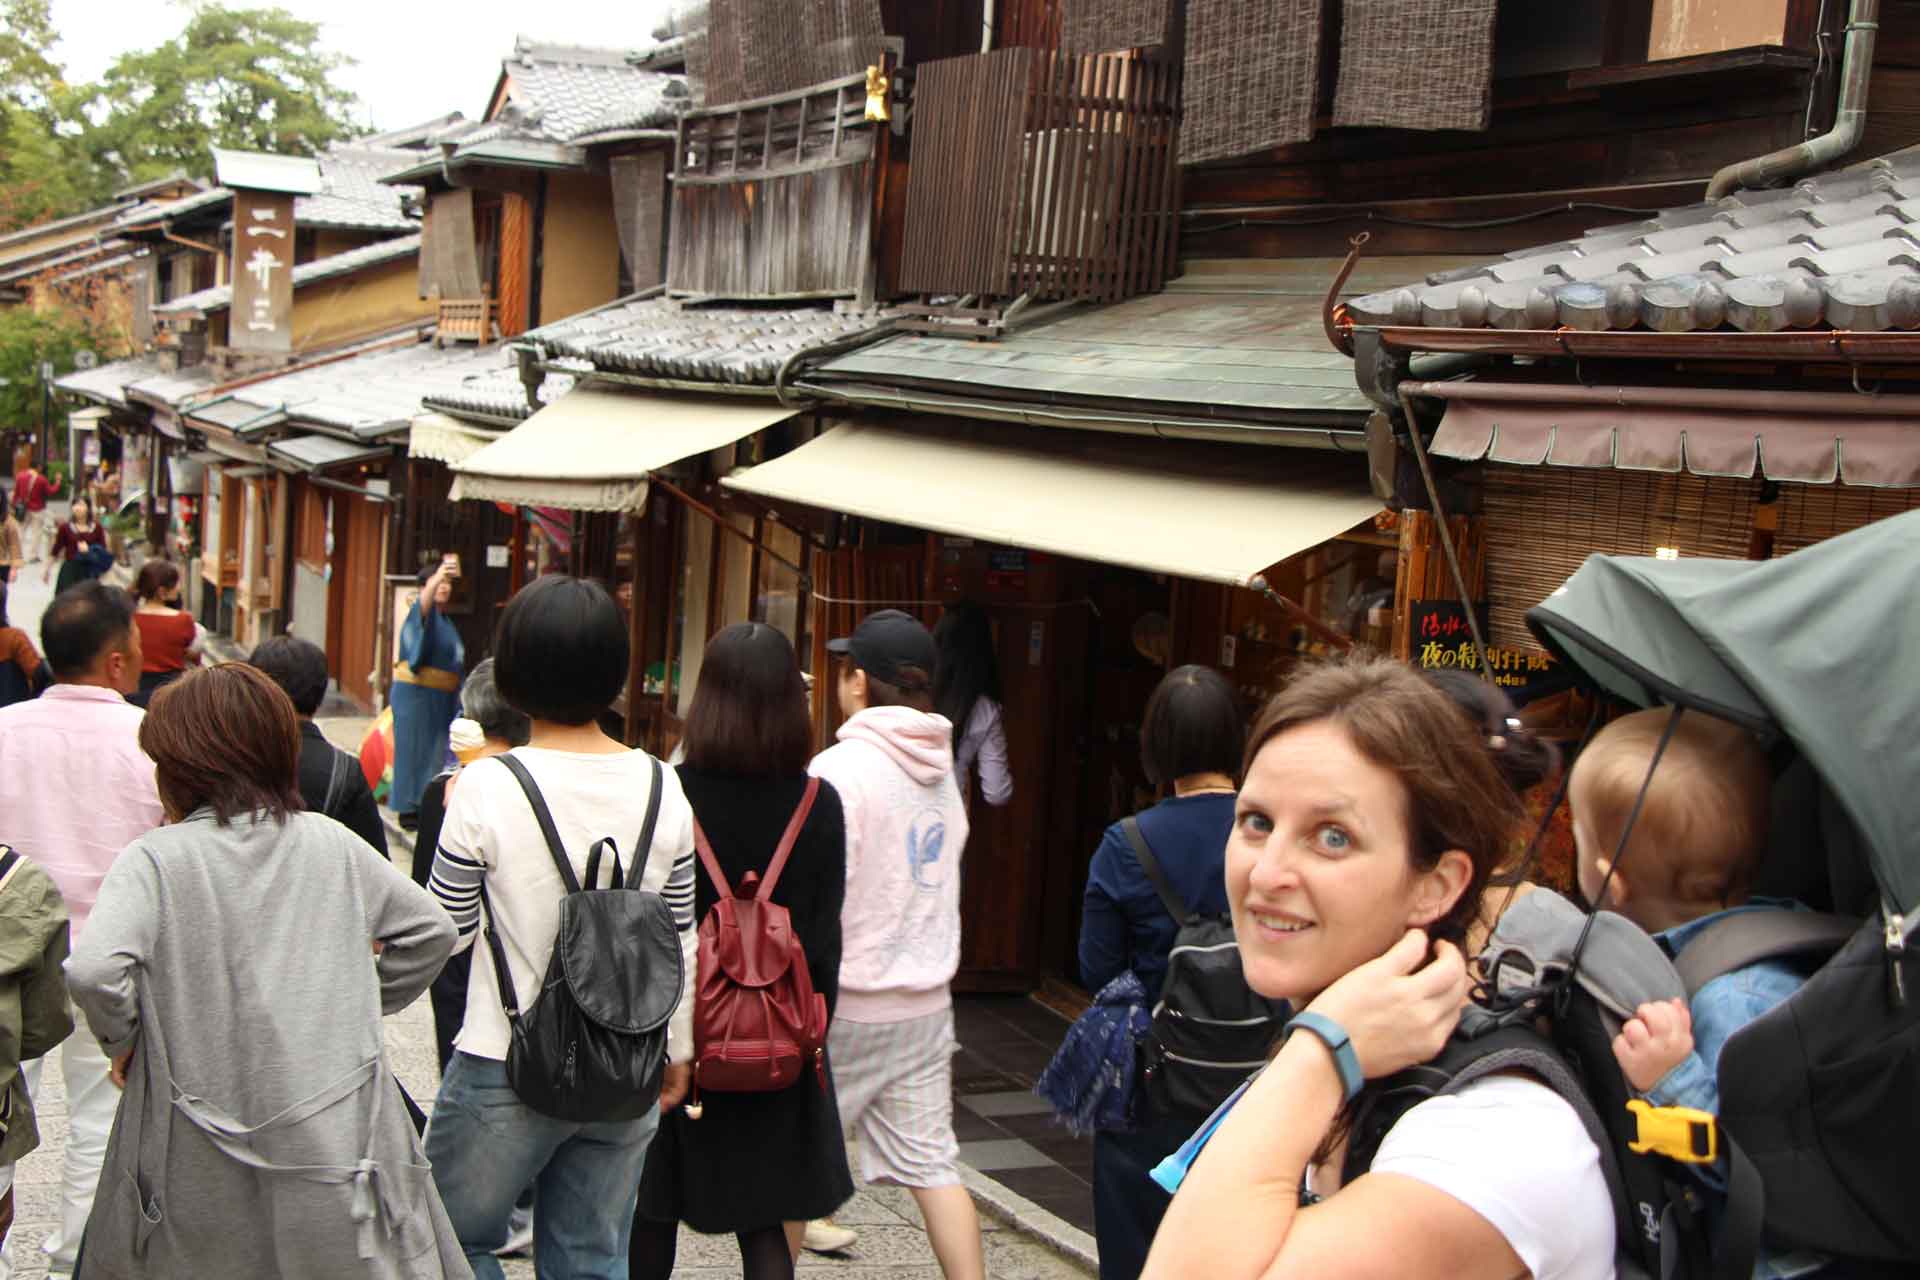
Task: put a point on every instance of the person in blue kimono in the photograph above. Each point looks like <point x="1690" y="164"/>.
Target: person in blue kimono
<point x="426" y="690"/>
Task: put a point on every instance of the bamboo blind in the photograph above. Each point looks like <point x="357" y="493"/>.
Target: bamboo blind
<point x="1810" y="513"/>
<point x="1541" y="523"/>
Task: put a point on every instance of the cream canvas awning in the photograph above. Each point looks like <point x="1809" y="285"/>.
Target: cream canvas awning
<point x="592" y="450"/>
<point x="442" y="438"/>
<point x="1147" y="505"/>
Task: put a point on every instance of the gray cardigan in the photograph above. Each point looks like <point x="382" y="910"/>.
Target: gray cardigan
<point x="261" y="1132"/>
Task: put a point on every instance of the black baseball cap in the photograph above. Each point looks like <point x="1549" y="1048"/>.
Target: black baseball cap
<point x="886" y="641"/>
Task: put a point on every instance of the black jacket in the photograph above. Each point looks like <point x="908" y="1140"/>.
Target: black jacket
<point x="353" y="806"/>
<point x="757" y="1159"/>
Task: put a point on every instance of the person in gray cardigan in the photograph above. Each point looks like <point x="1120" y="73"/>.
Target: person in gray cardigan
<point x="235" y="970"/>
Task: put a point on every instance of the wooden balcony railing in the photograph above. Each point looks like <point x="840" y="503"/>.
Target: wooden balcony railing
<point x="773" y="198"/>
<point x="468" y="320"/>
<point x="1042" y="173"/>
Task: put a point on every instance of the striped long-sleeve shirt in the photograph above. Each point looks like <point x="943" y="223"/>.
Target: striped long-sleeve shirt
<point x="491" y="839"/>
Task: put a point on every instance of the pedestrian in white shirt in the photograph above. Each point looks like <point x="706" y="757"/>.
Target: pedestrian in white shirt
<point x="76" y="789"/>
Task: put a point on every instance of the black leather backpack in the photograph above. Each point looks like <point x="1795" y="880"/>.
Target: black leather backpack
<point x="593" y="1044"/>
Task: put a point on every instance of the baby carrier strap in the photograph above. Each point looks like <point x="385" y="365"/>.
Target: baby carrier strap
<point x="1750" y="937"/>
<point x="1155" y="876"/>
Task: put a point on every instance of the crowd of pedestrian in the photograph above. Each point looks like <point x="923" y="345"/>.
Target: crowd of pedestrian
<point x="671" y="995"/>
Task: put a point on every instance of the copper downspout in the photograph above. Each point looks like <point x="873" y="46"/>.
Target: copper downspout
<point x="1848" y="403"/>
<point x="1849" y="117"/>
<point x="1441" y="527"/>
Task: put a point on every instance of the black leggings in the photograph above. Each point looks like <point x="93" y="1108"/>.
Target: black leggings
<point x="763" y="1252"/>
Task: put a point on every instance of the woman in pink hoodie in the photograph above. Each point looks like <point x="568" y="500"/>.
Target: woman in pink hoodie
<point x="892" y="1041"/>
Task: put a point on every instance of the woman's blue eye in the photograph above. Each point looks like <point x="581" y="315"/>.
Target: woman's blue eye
<point x="1335" y="839"/>
<point x="1255" y="824"/>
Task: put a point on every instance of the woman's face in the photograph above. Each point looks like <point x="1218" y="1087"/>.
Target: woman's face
<point x="442" y="592"/>
<point x="82" y="511"/>
<point x="1318" y="874"/>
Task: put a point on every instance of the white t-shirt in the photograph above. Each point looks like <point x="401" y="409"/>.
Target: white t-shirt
<point x="1514" y="1152"/>
<point x="490" y="833"/>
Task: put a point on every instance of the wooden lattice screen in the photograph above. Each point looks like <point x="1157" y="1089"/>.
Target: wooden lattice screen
<point x="1811" y="513"/>
<point x="1541" y="523"/>
<point x="773" y="198"/>
<point x="1043" y="173"/>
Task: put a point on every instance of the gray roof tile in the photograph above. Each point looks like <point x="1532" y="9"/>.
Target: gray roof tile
<point x="340" y="264"/>
<point x="660" y="338"/>
<point x="569" y="92"/>
<point x="1841" y="249"/>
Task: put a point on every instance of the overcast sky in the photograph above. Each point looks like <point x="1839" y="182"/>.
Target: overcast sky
<point x="416" y="58"/>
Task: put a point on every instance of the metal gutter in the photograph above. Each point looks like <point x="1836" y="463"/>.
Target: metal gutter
<point x="1849" y="117"/>
<point x="1166" y="428"/>
<point x="756" y="390"/>
<point x="1778" y="403"/>
<point x="1845" y="346"/>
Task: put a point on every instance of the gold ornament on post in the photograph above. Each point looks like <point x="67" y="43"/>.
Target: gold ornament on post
<point x="877" y="86"/>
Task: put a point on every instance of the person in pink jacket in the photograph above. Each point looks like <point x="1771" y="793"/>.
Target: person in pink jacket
<point x="892" y="1040"/>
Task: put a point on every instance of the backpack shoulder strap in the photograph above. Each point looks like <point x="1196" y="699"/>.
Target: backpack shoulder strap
<point x="544" y="817"/>
<point x="788" y="839"/>
<point x="711" y="863"/>
<point x="1753" y="936"/>
<point x="1155" y="876"/>
<point x="9" y="862"/>
<point x="502" y="976"/>
<point x="644" y="845"/>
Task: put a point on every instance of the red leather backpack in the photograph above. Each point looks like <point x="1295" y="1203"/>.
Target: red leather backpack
<point x="757" y="1021"/>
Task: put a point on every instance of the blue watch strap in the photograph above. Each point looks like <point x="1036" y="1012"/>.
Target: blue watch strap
<point x="1339" y="1044"/>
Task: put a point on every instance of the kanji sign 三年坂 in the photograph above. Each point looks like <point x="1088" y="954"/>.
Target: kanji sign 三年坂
<point x="261" y="318"/>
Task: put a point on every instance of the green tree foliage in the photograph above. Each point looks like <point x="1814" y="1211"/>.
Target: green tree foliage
<point x="27" y="338"/>
<point x="44" y="171"/>
<point x="253" y="79"/>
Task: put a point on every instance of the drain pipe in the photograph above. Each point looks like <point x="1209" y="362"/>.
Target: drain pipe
<point x="1849" y="120"/>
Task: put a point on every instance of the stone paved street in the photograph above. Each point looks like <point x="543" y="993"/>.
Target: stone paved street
<point x="892" y="1243"/>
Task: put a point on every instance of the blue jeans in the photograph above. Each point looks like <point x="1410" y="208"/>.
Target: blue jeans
<point x="487" y="1146"/>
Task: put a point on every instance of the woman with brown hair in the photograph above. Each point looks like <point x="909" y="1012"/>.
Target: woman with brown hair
<point x="754" y="1161"/>
<point x="170" y="639"/>
<point x="236" y="968"/>
<point x="1368" y="821"/>
<point x="80" y="545"/>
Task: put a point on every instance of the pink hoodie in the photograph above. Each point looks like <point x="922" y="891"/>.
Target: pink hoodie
<point x="906" y="826"/>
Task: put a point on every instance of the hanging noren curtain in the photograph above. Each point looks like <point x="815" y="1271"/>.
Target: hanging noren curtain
<point x="1108" y="26"/>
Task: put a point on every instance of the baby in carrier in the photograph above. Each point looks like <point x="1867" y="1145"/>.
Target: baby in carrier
<point x="1689" y="861"/>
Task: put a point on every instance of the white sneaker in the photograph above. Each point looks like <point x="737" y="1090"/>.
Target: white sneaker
<point x="519" y="1236"/>
<point x="824" y="1235"/>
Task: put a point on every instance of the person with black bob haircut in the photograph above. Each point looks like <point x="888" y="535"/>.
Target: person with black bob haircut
<point x="559" y="656"/>
<point x="1191" y="739"/>
<point x="966" y="691"/>
<point x="560" y="650"/>
<point x="330" y="779"/>
<point x="755" y="1161"/>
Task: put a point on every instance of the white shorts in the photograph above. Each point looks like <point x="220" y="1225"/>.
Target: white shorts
<point x="895" y="1085"/>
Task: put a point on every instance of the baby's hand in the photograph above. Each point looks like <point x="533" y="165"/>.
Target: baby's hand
<point x="1653" y="1042"/>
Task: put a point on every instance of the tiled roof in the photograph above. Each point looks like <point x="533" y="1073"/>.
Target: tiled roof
<point x="351" y="198"/>
<point x="107" y="383"/>
<point x="659" y="338"/>
<point x="340" y="264"/>
<point x="1841" y="250"/>
<point x="495" y="395"/>
<point x="1231" y="340"/>
<point x="568" y="92"/>
<point x="354" y="197"/>
<point x="173" y="389"/>
<point x="379" y="392"/>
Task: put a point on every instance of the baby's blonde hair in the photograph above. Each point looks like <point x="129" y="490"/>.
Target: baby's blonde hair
<point x="1703" y="826"/>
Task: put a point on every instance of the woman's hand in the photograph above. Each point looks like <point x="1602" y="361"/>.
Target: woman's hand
<point x="1399" y="1009"/>
<point x="674" y="1081"/>
<point x="117" y="1070"/>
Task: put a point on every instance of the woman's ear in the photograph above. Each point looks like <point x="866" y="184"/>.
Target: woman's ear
<point x="1436" y="891"/>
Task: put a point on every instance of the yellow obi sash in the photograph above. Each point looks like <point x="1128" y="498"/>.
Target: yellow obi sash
<point x="427" y="677"/>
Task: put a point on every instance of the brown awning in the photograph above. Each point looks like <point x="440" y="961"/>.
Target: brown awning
<point x="1806" y="437"/>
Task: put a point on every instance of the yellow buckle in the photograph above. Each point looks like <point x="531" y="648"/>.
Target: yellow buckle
<point x="1678" y="1133"/>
